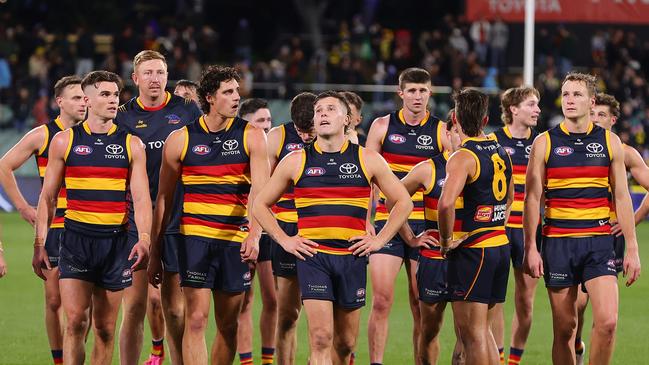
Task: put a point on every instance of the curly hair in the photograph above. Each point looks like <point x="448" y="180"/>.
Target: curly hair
<point x="513" y="97"/>
<point x="211" y="81"/>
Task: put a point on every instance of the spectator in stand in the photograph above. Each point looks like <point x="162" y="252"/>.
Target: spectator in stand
<point x="480" y="32"/>
<point x="85" y="52"/>
<point x="498" y="41"/>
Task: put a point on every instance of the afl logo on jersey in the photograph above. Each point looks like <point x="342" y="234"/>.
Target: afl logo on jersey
<point x="201" y="149"/>
<point x="314" y="171"/>
<point x="294" y="147"/>
<point x="510" y="151"/>
<point x="397" y="138"/>
<point x="564" y="151"/>
<point x="82" y="150"/>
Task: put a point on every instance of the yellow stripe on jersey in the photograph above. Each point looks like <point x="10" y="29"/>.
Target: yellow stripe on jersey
<point x="418" y="196"/>
<point x="396" y="167"/>
<point x="496" y="241"/>
<point x="287" y="217"/>
<point x="577" y="213"/>
<point x="62" y="203"/>
<point x="477" y="164"/>
<point x="213" y="233"/>
<point x="416" y="215"/>
<point x="67" y="150"/>
<point x="578" y="183"/>
<point x="111" y="219"/>
<point x="354" y="202"/>
<point x="233" y="210"/>
<point x="519" y="179"/>
<point x="41" y="170"/>
<point x="95" y="183"/>
<point x="57" y="225"/>
<point x="282" y="138"/>
<point x="517" y="206"/>
<point x="185" y="144"/>
<point x="45" y="142"/>
<point x="204" y="179"/>
<point x="324" y="233"/>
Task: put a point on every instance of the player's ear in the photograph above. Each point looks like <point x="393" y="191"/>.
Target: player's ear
<point x="485" y="120"/>
<point x="613" y="120"/>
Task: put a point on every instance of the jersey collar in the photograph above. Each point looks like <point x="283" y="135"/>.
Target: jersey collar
<point x="402" y="119"/>
<point x="58" y="123"/>
<point x="565" y="130"/>
<point x="475" y="139"/>
<point x="509" y="134"/>
<point x="201" y="122"/>
<point x="342" y="149"/>
<point x="87" y="128"/>
<point x="155" y="108"/>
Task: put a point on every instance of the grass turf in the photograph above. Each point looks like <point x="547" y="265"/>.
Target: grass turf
<point x="23" y="339"/>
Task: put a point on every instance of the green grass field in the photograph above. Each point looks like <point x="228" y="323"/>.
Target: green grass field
<point x="23" y="339"/>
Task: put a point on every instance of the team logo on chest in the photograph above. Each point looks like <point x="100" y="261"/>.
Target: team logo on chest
<point x="82" y="150"/>
<point x="397" y="138"/>
<point x="172" y="118"/>
<point x="114" y="151"/>
<point x="230" y="147"/>
<point x="595" y="150"/>
<point x="201" y="149"/>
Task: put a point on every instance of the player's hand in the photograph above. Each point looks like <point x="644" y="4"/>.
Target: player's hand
<point x="154" y="271"/>
<point x="365" y="245"/>
<point x="616" y="230"/>
<point x="299" y="246"/>
<point x="369" y="228"/>
<point x="533" y="263"/>
<point x="455" y="243"/>
<point x="249" y="249"/>
<point x="425" y="239"/>
<point x="40" y="261"/>
<point x="140" y="253"/>
<point x="28" y="213"/>
<point x="631" y="266"/>
<point x="3" y="265"/>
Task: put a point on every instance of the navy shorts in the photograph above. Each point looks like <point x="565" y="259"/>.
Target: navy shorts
<point x="397" y="246"/>
<point x="478" y="274"/>
<point x="265" y="245"/>
<point x="99" y="260"/>
<point x="213" y="264"/>
<point x="284" y="263"/>
<point x="170" y="242"/>
<point x="431" y="280"/>
<point x="515" y="237"/>
<point x="569" y="261"/>
<point x="53" y="245"/>
<point x="619" y="246"/>
<point x="339" y="278"/>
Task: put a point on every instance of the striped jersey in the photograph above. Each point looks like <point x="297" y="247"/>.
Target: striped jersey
<point x="332" y="193"/>
<point x="577" y="182"/>
<point x="518" y="150"/>
<point x="285" y="208"/>
<point x="403" y="147"/>
<point x="51" y="129"/>
<point x="484" y="196"/>
<point x="215" y="174"/>
<point x="153" y="126"/>
<point x="96" y="178"/>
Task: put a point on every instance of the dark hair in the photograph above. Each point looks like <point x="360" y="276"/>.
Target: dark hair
<point x="512" y="97"/>
<point x="353" y="99"/>
<point x="470" y="109"/>
<point x="65" y="82"/>
<point x="95" y="77"/>
<point x="187" y="83"/>
<point x="610" y="101"/>
<point x="413" y="75"/>
<point x="211" y="81"/>
<point x="449" y="119"/>
<point x="302" y="111"/>
<point x="341" y="99"/>
<point x="589" y="80"/>
<point x="250" y="106"/>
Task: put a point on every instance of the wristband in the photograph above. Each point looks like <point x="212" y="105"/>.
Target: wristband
<point x="39" y="242"/>
<point x="145" y="237"/>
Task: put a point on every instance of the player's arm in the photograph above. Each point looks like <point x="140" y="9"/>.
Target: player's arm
<point x="170" y="170"/>
<point x="47" y="201"/>
<point x="624" y="210"/>
<point x="12" y="160"/>
<point x="374" y="142"/>
<point x="534" y="179"/>
<point x="418" y="178"/>
<point x="274" y="140"/>
<point x="259" y="175"/>
<point x="379" y="172"/>
<point x="141" y="202"/>
<point x="640" y="172"/>
<point x="283" y="176"/>
<point x="459" y="169"/>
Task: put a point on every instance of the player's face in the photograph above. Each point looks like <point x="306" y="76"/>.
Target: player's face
<point x="330" y="117"/>
<point x="260" y="119"/>
<point x="454" y="137"/>
<point x="527" y="112"/>
<point x="72" y="103"/>
<point x="151" y="78"/>
<point x="415" y="96"/>
<point x="601" y="115"/>
<point x="575" y="100"/>
<point x="186" y="92"/>
<point x="306" y="137"/>
<point x="356" y="116"/>
<point x="225" y="100"/>
<point x="102" y="99"/>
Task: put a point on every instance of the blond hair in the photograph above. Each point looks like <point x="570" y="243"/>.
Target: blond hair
<point x="148" y="55"/>
<point x="513" y="97"/>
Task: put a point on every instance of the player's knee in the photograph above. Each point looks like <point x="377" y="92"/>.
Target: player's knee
<point x="228" y="329"/>
<point x="565" y="328"/>
<point x="77" y="322"/>
<point x="287" y="319"/>
<point x="606" y="326"/>
<point x="135" y="310"/>
<point x="269" y="302"/>
<point x="155" y="305"/>
<point x="174" y="314"/>
<point x="53" y="302"/>
<point x="344" y="346"/>
<point x="196" y="321"/>
<point x="321" y="339"/>
<point x="104" y="332"/>
<point x="382" y="302"/>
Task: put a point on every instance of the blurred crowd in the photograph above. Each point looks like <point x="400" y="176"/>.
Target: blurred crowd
<point x="456" y="52"/>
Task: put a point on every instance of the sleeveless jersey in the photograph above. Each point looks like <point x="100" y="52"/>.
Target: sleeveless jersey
<point x="216" y="181"/>
<point x="285" y="208"/>
<point x="485" y="196"/>
<point x="403" y="147"/>
<point x="96" y="177"/>
<point x="518" y="150"/>
<point x="332" y="193"/>
<point x="51" y="129"/>
<point x="153" y="126"/>
<point x="577" y="182"/>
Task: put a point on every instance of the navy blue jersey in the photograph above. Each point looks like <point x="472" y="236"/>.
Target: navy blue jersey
<point x="153" y="126"/>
